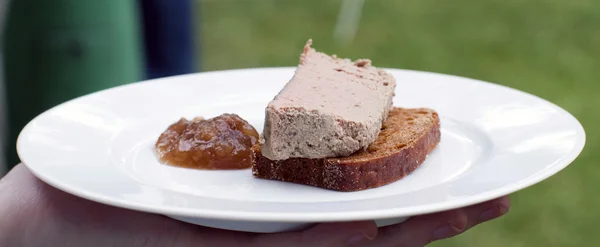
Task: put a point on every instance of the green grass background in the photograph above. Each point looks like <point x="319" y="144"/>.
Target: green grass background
<point x="548" y="48"/>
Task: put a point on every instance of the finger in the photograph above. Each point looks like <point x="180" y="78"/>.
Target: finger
<point x="487" y="211"/>
<point x="421" y="230"/>
<point x="322" y="235"/>
<point x="479" y="213"/>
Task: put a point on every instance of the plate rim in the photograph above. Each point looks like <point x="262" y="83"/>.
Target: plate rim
<point x="504" y="190"/>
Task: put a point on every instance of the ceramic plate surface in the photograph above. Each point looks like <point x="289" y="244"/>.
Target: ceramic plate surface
<point x="495" y="141"/>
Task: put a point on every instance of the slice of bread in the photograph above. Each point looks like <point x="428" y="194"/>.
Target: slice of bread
<point x="405" y="140"/>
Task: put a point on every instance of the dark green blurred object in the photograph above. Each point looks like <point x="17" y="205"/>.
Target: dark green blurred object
<point x="61" y="49"/>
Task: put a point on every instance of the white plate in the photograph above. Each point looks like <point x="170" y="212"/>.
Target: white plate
<point x="495" y="141"/>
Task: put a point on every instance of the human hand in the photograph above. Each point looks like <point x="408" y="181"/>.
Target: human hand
<point x="36" y="214"/>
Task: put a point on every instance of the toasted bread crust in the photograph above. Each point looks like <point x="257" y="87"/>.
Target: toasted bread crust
<point x="364" y="169"/>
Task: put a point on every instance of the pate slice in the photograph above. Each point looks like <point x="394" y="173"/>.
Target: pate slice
<point x="331" y="107"/>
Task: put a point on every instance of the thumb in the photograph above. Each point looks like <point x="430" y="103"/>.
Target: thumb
<point x="322" y="235"/>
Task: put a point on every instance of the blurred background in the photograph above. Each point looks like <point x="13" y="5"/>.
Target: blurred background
<point x="57" y="50"/>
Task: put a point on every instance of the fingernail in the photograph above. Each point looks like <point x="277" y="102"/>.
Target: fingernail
<point x="493" y="213"/>
<point x="445" y="232"/>
<point x="359" y="239"/>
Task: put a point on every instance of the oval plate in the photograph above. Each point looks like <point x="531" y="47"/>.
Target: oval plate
<point x="495" y="141"/>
